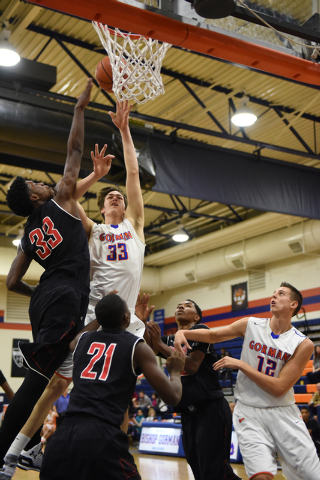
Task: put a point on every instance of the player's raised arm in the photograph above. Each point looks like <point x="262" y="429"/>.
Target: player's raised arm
<point x="236" y="329"/>
<point x="101" y="167"/>
<point x="135" y="211"/>
<point x="66" y="186"/>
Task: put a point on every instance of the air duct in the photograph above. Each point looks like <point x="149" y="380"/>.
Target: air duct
<point x="253" y="252"/>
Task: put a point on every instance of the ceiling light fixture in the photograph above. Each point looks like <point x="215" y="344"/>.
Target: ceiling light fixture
<point x="244" y="116"/>
<point x="16" y="241"/>
<point x="180" y="235"/>
<point x="8" y="55"/>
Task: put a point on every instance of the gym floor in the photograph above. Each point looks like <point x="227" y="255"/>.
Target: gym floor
<point x="155" y="467"/>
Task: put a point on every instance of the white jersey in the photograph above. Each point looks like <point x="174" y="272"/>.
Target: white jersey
<point x="268" y="353"/>
<point x="116" y="263"/>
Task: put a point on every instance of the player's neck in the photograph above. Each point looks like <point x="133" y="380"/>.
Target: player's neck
<point x="280" y="324"/>
<point x="113" y="218"/>
<point x="185" y="325"/>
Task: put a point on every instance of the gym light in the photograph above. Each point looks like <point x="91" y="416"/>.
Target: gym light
<point x="16" y="241"/>
<point x="244" y="116"/>
<point x="180" y="235"/>
<point x="8" y="55"/>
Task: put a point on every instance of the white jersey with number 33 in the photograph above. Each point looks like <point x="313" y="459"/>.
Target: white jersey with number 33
<point x="116" y="263"/>
<point x="268" y="353"/>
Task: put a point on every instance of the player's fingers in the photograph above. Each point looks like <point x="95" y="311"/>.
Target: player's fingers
<point x="103" y="150"/>
<point x="92" y="156"/>
<point x="96" y="149"/>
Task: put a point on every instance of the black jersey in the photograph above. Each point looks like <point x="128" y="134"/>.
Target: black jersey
<point x="204" y="384"/>
<point x="58" y="242"/>
<point x="103" y="375"/>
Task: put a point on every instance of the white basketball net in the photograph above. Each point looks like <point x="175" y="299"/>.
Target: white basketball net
<point x="136" y="63"/>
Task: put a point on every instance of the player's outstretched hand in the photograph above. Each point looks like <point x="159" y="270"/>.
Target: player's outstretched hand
<point x="84" y="98"/>
<point x="101" y="162"/>
<point x="227" y="362"/>
<point x="121" y="118"/>
<point x="142" y="309"/>
<point x="175" y="363"/>
<point x="180" y="340"/>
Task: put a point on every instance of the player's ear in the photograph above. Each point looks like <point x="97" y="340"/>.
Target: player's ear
<point x="34" y="197"/>
<point x="197" y="318"/>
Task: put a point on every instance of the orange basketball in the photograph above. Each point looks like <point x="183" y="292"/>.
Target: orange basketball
<point x="104" y="74"/>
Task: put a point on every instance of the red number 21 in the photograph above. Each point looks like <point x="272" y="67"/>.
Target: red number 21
<point x="99" y="349"/>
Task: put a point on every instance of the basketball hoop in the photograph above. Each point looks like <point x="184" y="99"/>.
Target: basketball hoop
<point x="136" y="63"/>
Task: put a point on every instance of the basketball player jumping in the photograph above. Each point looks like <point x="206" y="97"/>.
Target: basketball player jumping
<point x="266" y="419"/>
<point x="116" y="262"/>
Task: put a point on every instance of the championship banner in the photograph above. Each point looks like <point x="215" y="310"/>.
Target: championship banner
<point x="239" y="296"/>
<point x="17" y="369"/>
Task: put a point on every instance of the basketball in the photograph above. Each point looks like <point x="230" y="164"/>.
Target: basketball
<point x="104" y="74"/>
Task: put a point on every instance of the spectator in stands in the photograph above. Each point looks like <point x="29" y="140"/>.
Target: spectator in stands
<point x="138" y="422"/>
<point x="60" y="406"/>
<point x="6" y="387"/>
<point x="144" y="402"/>
<point x="314" y="404"/>
<point x="314" y="376"/>
<point x="152" y="416"/>
<point x="312" y="426"/>
<point x="155" y="401"/>
<point x="225" y="373"/>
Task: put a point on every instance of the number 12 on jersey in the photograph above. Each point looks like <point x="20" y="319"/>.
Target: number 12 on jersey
<point x="99" y="349"/>
<point x="270" y="369"/>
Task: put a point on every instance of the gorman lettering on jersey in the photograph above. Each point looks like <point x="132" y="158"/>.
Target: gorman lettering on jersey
<point x="114" y="238"/>
<point x="269" y="351"/>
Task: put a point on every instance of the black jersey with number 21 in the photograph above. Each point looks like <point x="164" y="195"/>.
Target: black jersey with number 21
<point x="103" y="375"/>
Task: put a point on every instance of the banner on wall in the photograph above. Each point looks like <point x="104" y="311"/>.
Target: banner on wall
<point x="158" y="317"/>
<point x="17" y="368"/>
<point x="239" y="294"/>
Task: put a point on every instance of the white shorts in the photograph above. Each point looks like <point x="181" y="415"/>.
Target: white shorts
<point x="265" y="432"/>
<point x="136" y="327"/>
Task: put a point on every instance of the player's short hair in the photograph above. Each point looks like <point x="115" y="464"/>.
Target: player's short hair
<point x="199" y="311"/>
<point x="295" y="295"/>
<point x="305" y="408"/>
<point x="18" y="198"/>
<point x="104" y="192"/>
<point x="110" y="311"/>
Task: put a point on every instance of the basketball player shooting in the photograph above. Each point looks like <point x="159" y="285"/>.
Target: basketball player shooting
<point x="266" y="419"/>
<point x="116" y="250"/>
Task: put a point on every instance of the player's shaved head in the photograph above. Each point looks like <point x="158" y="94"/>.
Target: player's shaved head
<point x="110" y="311"/>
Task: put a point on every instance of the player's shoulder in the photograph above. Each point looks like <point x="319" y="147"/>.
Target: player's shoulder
<point x="258" y="321"/>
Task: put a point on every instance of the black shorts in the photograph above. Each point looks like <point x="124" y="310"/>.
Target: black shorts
<point x="84" y="448"/>
<point x="206" y="438"/>
<point x="56" y="314"/>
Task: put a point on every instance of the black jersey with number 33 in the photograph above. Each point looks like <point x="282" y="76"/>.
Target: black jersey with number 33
<point x="103" y="375"/>
<point x="58" y="242"/>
